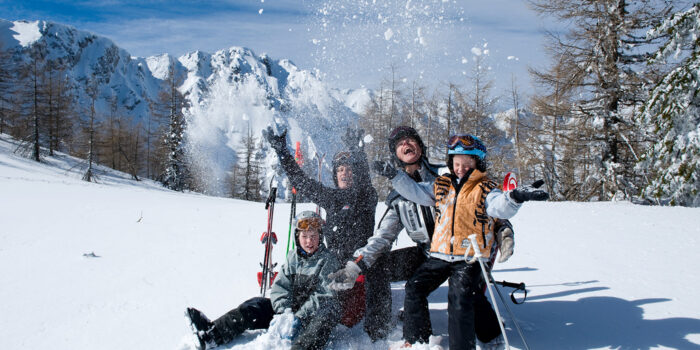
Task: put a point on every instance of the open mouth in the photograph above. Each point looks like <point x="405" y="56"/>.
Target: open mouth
<point x="409" y="151"/>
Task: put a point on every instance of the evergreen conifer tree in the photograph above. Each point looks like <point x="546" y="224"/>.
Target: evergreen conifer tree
<point x="672" y="115"/>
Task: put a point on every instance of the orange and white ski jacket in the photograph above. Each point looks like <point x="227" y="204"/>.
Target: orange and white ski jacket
<point x="461" y="210"/>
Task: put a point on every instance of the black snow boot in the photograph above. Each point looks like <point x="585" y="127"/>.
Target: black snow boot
<point x="200" y="321"/>
<point x="202" y="327"/>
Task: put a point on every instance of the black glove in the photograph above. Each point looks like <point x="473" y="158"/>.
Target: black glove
<point x="278" y="142"/>
<point x="529" y="193"/>
<point x="383" y="168"/>
<point x="353" y="138"/>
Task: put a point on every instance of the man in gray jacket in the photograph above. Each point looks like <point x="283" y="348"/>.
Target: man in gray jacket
<point x="301" y="287"/>
<point x="409" y="153"/>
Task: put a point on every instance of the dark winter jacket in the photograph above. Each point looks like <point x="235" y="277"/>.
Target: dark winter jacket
<point x="349" y="212"/>
<point x="302" y="284"/>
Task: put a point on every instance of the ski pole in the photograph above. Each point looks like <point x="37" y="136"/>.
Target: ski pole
<point x="320" y="163"/>
<point x="512" y="316"/>
<point x="478" y="257"/>
<point x="292" y="213"/>
<point x="299" y="159"/>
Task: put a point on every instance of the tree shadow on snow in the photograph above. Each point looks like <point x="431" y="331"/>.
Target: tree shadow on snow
<point x="597" y="322"/>
<point x="591" y="322"/>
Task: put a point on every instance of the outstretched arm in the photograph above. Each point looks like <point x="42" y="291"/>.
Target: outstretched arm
<point x="389" y="228"/>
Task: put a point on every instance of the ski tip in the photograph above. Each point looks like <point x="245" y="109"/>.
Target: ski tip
<point x="510" y="182"/>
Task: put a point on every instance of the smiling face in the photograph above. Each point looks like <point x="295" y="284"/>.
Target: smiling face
<point x="408" y="150"/>
<point x="344" y="174"/>
<point x="309" y="240"/>
<point x="461" y="163"/>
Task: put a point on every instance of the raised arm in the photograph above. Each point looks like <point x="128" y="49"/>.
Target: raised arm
<point x="316" y="191"/>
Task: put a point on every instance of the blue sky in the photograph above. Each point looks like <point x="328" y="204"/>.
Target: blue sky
<point x="352" y="43"/>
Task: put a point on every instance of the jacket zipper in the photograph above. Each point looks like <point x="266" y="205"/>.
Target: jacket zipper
<point x="454" y="217"/>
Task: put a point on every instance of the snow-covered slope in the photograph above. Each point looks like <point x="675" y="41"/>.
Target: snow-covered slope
<point x="228" y="91"/>
<point x="599" y="275"/>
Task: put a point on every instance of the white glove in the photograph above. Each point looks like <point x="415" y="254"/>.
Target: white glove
<point x="506" y="244"/>
<point x="344" y="278"/>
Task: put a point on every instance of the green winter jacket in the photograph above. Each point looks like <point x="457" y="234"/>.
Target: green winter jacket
<point x="302" y="285"/>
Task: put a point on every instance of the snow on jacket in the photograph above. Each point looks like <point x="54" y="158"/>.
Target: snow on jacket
<point x="391" y="223"/>
<point x="302" y="284"/>
<point x="462" y="209"/>
<point x="349" y="212"/>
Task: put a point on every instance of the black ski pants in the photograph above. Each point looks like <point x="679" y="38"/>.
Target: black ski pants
<point x="257" y="313"/>
<point x="464" y="280"/>
<point x="394" y="266"/>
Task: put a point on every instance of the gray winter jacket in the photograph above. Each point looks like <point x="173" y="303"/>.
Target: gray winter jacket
<point x="392" y="222"/>
<point x="302" y="284"/>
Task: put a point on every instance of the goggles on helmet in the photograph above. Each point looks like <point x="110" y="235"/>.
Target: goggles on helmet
<point x="308" y="220"/>
<point x="466" y="144"/>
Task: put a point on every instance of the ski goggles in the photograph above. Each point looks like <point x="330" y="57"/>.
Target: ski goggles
<point x="309" y="223"/>
<point x="466" y="144"/>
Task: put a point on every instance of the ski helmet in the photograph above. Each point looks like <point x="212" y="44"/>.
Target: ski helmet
<point x="399" y="133"/>
<point x="341" y="158"/>
<point x="305" y="220"/>
<point x="469" y="145"/>
<point x="308" y="219"/>
<point x="466" y="144"/>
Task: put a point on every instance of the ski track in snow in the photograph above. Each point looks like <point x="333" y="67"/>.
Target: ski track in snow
<point x="599" y="275"/>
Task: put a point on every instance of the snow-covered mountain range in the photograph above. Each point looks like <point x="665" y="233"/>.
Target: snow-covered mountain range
<point x="229" y="91"/>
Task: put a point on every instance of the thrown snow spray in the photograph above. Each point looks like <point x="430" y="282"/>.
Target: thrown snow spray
<point x="409" y="36"/>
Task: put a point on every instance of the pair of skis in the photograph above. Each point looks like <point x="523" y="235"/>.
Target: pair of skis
<point x="267" y="276"/>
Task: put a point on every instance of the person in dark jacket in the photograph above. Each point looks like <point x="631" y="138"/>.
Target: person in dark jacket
<point x="350" y="210"/>
<point x="301" y="288"/>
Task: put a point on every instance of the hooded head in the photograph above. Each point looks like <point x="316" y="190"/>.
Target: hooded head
<point x="307" y="232"/>
<point x="406" y="146"/>
<point x="469" y="145"/>
<point x="342" y="170"/>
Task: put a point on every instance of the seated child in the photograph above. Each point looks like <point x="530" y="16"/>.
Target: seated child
<point x="301" y="286"/>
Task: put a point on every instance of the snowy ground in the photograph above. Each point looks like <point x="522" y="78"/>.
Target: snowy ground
<point x="599" y="275"/>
